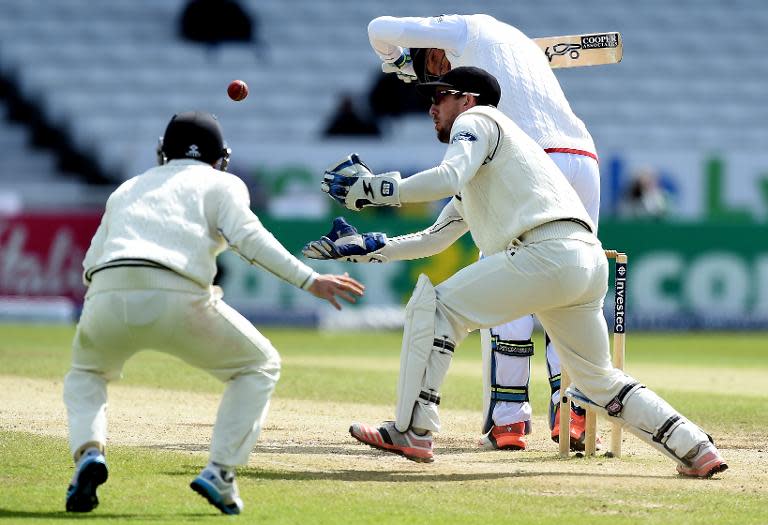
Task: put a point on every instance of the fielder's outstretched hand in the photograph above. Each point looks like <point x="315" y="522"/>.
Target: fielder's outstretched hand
<point x="328" y="286"/>
<point x="343" y="242"/>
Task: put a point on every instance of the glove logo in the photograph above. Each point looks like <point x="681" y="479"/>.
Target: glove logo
<point x="368" y="189"/>
<point x="387" y="189"/>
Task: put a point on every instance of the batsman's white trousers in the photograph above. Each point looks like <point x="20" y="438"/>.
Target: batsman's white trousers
<point x="131" y="309"/>
<point x="560" y="273"/>
<point x="583" y="174"/>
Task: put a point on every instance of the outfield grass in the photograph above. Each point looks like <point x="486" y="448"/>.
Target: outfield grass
<point x="154" y="489"/>
<point x="715" y="379"/>
<point x="336" y="367"/>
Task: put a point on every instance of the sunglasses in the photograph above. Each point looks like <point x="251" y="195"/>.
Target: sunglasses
<point x="438" y="97"/>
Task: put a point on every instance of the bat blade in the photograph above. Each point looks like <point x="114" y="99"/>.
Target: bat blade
<point x="591" y="49"/>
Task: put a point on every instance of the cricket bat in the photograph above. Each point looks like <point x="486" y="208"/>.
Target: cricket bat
<point x="592" y="49"/>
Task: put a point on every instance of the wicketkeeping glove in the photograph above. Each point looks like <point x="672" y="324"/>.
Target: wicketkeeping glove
<point x="402" y="67"/>
<point x="343" y="242"/>
<point x="352" y="184"/>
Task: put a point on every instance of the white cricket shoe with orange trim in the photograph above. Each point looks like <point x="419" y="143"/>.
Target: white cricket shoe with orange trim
<point x="388" y="438"/>
<point x="705" y="462"/>
<point x="506" y="437"/>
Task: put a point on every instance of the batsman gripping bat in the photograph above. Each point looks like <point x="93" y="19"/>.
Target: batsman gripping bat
<point x="591" y="49"/>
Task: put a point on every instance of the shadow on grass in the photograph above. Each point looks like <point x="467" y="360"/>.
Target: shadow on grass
<point x="304" y="449"/>
<point x="185" y="447"/>
<point x="95" y="515"/>
<point x="410" y="476"/>
<point x="399" y="476"/>
<point x="347" y="448"/>
<point x="351" y="448"/>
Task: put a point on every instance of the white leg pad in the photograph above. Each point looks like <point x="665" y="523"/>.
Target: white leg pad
<point x="425" y="414"/>
<point x="553" y="368"/>
<point x="653" y="420"/>
<point x="506" y="351"/>
<point x="424" y="362"/>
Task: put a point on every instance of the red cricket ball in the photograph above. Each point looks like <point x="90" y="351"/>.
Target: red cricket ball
<point x="237" y="90"/>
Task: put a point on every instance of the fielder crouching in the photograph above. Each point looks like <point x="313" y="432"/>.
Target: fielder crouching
<point x="540" y="256"/>
<point x="149" y="272"/>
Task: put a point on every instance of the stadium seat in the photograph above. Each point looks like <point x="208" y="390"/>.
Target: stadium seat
<point x="86" y="61"/>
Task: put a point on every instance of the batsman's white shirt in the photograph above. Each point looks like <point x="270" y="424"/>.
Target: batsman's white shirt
<point x="532" y="97"/>
<point x="182" y="215"/>
<point x="505" y="183"/>
<point x="530" y="92"/>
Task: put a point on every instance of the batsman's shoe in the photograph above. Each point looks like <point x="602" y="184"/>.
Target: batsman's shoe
<point x="90" y="472"/>
<point x="577" y="427"/>
<point x="705" y="461"/>
<point x="506" y="437"/>
<point x="220" y="493"/>
<point x="387" y="437"/>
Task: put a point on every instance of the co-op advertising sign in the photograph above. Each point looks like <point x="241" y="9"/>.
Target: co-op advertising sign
<point x="694" y="275"/>
<point x="709" y="290"/>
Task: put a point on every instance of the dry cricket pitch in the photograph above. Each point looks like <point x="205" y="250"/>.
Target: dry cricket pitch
<point x="312" y="438"/>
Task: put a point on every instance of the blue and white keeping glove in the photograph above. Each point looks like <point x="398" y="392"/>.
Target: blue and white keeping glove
<point x="352" y="184"/>
<point x="402" y="67"/>
<point x="343" y="242"/>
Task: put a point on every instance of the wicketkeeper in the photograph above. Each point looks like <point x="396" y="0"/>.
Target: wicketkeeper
<point x="541" y="255"/>
<point x="421" y="49"/>
<point x="149" y="272"/>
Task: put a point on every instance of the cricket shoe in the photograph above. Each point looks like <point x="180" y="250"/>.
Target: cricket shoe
<point x="577" y="427"/>
<point x="506" y="437"/>
<point x="90" y="472"/>
<point x="388" y="438"/>
<point x="220" y="493"/>
<point x="704" y="462"/>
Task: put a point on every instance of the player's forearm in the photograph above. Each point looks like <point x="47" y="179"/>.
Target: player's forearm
<point x="383" y="35"/>
<point x="428" y="185"/>
<point x="431" y="241"/>
<point x="388" y="35"/>
<point x="258" y="246"/>
<point x="247" y="237"/>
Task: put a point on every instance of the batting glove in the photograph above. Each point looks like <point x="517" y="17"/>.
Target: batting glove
<point x="402" y="67"/>
<point x="352" y="184"/>
<point x="343" y="242"/>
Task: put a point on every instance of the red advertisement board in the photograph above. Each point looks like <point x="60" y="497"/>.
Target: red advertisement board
<point x="41" y="254"/>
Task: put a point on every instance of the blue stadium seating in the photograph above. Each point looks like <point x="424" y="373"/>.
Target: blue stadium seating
<point x="113" y="72"/>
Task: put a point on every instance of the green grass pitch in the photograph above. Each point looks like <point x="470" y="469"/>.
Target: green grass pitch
<point x="296" y="477"/>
